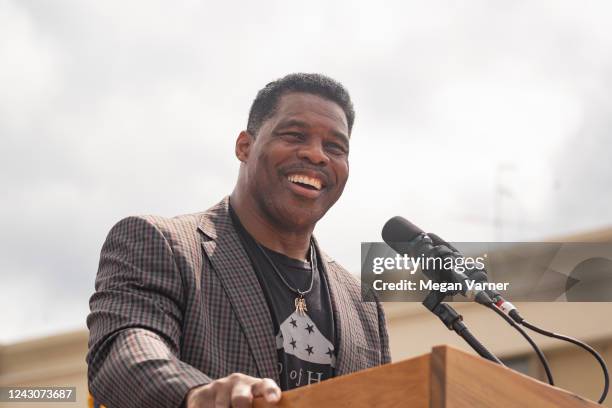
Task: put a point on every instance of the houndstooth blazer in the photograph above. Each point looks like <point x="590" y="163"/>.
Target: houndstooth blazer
<point x="177" y="305"/>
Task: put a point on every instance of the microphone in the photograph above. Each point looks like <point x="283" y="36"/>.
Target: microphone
<point x="408" y="239"/>
<point x="476" y="275"/>
<point x="480" y="276"/>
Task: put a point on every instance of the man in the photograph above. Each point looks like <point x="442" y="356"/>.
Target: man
<point x="216" y="308"/>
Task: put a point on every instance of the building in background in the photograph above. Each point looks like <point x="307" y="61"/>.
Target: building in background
<point x="60" y="360"/>
<point x="51" y="361"/>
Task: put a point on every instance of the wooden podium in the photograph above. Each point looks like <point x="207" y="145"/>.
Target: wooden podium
<point x="444" y="378"/>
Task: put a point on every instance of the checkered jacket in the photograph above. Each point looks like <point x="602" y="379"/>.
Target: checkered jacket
<point x="177" y="305"/>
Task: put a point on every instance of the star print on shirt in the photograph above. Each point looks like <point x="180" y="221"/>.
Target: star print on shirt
<point x="304" y="340"/>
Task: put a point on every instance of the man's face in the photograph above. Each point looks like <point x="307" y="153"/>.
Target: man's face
<point x="297" y="165"/>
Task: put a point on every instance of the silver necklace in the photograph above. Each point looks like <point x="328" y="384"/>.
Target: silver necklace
<point x="300" y="300"/>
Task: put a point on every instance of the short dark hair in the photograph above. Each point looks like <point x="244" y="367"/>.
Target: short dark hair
<point x="266" y="101"/>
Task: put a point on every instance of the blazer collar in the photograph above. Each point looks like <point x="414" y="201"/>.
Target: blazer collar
<point x="233" y="267"/>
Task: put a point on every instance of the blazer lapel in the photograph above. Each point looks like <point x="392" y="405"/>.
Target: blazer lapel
<point x="233" y="267"/>
<point x="346" y="320"/>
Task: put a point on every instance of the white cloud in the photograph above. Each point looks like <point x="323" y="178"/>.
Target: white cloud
<point x="29" y="76"/>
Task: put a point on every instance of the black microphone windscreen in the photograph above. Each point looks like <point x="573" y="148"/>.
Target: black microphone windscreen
<point x="439" y="241"/>
<point x="399" y="229"/>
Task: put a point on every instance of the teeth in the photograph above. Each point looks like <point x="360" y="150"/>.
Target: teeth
<point x="316" y="183"/>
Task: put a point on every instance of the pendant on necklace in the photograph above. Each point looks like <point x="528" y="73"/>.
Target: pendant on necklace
<point x="300" y="305"/>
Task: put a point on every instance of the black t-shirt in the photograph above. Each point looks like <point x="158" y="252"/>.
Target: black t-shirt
<point x="305" y="342"/>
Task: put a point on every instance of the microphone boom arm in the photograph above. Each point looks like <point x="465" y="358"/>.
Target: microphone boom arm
<point x="454" y="322"/>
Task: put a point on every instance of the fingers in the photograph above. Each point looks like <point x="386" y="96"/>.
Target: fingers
<point x="268" y="389"/>
<point x="236" y="391"/>
<point x="241" y="395"/>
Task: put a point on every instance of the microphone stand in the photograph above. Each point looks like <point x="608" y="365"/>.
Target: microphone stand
<point x="454" y="322"/>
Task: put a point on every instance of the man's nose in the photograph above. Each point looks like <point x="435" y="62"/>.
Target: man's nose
<point x="313" y="152"/>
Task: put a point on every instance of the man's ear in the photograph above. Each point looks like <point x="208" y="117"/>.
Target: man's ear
<point x="244" y="143"/>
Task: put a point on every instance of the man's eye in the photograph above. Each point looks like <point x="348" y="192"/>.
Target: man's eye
<point x="293" y="136"/>
<point x="336" y="148"/>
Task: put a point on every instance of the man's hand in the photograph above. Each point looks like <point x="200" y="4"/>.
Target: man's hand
<point x="236" y="391"/>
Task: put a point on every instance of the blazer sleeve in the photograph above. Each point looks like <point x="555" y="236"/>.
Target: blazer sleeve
<point x="135" y="322"/>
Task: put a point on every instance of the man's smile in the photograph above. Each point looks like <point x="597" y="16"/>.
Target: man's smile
<point x="306" y="186"/>
<point x="306" y="181"/>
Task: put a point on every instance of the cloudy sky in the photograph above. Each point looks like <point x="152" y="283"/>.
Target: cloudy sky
<point x="479" y="120"/>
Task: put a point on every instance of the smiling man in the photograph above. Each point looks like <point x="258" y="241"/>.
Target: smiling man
<point x="216" y="308"/>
